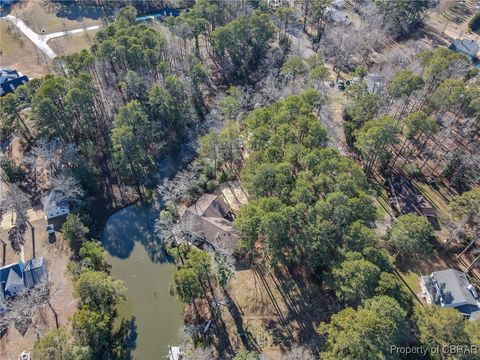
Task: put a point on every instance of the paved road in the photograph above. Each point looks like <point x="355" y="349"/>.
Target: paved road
<point x="38" y="40"/>
<point x="69" y="32"/>
<point x="41" y="40"/>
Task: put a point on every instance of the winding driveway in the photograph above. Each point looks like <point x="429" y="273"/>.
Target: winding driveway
<point x="41" y="40"/>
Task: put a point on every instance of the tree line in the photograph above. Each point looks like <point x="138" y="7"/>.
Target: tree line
<point x="93" y="334"/>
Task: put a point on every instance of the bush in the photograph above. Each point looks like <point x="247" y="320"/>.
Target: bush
<point x="471" y="73"/>
<point x="412" y="170"/>
<point x="74" y="231"/>
<point x="13" y="173"/>
<point x="211" y="185"/>
<point x="474" y="23"/>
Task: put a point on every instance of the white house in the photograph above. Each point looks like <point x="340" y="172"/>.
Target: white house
<point x="54" y="208"/>
<point x="451" y="288"/>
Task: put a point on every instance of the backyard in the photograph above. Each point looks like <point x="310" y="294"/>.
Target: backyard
<point x="61" y="290"/>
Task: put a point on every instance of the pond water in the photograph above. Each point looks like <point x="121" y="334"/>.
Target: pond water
<point x="136" y="257"/>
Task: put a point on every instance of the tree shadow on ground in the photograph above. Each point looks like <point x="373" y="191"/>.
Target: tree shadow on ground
<point x="74" y="12"/>
<point x="237" y="318"/>
<point x="308" y="304"/>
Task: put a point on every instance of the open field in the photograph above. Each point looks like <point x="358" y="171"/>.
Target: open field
<point x="62" y="299"/>
<point x="18" y="52"/>
<point x="52" y="19"/>
<point x="70" y="44"/>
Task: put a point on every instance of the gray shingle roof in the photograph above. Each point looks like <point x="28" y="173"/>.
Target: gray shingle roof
<point x="465" y="46"/>
<point x="450" y="288"/>
<point x="210" y="205"/>
<point x="35" y="272"/>
<point x="11" y="278"/>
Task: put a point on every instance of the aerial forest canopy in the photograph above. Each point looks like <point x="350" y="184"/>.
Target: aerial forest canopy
<point x="120" y="105"/>
<point x="306" y="198"/>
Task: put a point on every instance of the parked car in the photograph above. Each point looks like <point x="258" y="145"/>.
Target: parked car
<point x="51" y="233"/>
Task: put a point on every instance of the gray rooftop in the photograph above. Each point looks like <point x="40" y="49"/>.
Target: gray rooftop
<point x="466" y="46"/>
<point x="210" y="205"/>
<point x="450" y="288"/>
<point x="11" y="279"/>
<point x="35" y="272"/>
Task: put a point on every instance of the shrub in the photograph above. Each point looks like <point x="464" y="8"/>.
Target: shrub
<point x="211" y="185"/>
<point x="474" y="23"/>
<point x="412" y="170"/>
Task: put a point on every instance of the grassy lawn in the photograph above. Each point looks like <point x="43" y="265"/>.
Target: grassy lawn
<point x="439" y="198"/>
<point x="271" y="311"/>
<point x="381" y="203"/>
<point x="52" y="19"/>
<point x="411" y="269"/>
<point x="18" y="52"/>
<point x="70" y="44"/>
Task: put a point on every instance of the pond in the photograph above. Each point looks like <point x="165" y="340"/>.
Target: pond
<point x="136" y="257"/>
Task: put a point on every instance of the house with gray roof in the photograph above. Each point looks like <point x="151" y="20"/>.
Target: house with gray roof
<point x="19" y="276"/>
<point x="10" y="80"/>
<point x="451" y="288"/>
<point x="11" y="280"/>
<point x="467" y="47"/>
<point x="54" y="208"/>
<point x="35" y="272"/>
<point x="211" y="220"/>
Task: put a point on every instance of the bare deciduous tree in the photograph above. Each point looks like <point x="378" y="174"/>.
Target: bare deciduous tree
<point x="17" y="203"/>
<point x="66" y="189"/>
<point x="21" y="309"/>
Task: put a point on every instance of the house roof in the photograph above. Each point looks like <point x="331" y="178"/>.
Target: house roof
<point x="210" y="205"/>
<point x="5" y="270"/>
<point x="15" y="277"/>
<point x="35" y="272"/>
<point x="10" y="80"/>
<point x="450" y="288"/>
<point x="51" y="204"/>
<point x="375" y="83"/>
<point x="11" y="278"/>
<point x="209" y="223"/>
<point x="466" y="46"/>
<point x="407" y="199"/>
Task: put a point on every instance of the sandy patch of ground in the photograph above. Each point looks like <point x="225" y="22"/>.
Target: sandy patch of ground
<point x="62" y="300"/>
